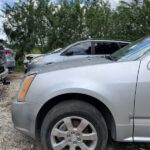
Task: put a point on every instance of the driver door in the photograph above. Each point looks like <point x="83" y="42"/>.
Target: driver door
<point x="142" y="103"/>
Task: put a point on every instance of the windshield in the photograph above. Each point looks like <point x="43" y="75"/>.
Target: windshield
<point x="132" y="51"/>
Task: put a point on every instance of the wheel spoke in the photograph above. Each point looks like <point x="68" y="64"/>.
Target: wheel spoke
<point x="60" y="145"/>
<point x="72" y="147"/>
<point x="89" y="136"/>
<point x="83" y="124"/>
<point x="83" y="146"/>
<point x="68" y="123"/>
<point x="58" y="133"/>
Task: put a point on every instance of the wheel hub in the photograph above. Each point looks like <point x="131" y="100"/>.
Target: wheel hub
<point x="74" y="137"/>
<point x="67" y="133"/>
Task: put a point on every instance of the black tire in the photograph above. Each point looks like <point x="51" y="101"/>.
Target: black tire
<point x="74" y="108"/>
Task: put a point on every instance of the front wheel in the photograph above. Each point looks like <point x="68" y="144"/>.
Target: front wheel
<point x="74" y="125"/>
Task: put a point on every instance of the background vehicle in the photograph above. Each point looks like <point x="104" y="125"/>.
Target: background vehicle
<point x="77" y="104"/>
<point x="29" y="57"/>
<point x="81" y="49"/>
<point x="10" y="60"/>
<point x="3" y="69"/>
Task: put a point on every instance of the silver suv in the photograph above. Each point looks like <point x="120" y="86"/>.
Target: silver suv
<point x="75" y="105"/>
<point x="78" y="50"/>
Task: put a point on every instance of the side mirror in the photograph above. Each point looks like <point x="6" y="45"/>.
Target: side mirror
<point x="69" y="53"/>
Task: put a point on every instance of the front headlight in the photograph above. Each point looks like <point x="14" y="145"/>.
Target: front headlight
<point x="37" y="59"/>
<point x="24" y="88"/>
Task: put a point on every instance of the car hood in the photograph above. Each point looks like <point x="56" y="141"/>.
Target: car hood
<point x="50" y="57"/>
<point x="70" y="64"/>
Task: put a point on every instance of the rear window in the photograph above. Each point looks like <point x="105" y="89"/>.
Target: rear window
<point x="9" y="56"/>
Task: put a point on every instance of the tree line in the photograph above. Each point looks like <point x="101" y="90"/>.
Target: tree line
<point x="47" y="25"/>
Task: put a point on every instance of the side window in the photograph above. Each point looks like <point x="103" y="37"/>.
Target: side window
<point x="80" y="49"/>
<point x="102" y="48"/>
<point x="99" y="48"/>
<point x="113" y="48"/>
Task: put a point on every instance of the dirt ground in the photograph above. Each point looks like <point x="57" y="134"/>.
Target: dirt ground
<point x="11" y="139"/>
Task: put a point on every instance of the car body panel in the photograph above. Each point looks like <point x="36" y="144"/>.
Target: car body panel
<point x="54" y="58"/>
<point x="109" y="90"/>
<point x="4" y="74"/>
<point x="142" y="103"/>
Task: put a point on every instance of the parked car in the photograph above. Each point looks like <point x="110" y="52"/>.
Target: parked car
<point x="74" y="105"/>
<point x="81" y="49"/>
<point x="29" y="57"/>
<point x="10" y="60"/>
<point x="3" y="69"/>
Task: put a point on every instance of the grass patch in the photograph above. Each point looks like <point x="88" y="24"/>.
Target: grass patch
<point x="35" y="51"/>
<point x="19" y="68"/>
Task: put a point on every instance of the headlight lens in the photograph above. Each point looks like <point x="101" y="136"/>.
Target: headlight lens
<point x="37" y="59"/>
<point x="24" y="88"/>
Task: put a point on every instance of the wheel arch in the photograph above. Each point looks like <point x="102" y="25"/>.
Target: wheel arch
<point x="83" y="97"/>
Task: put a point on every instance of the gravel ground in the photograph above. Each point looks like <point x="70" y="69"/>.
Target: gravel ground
<point x="11" y="139"/>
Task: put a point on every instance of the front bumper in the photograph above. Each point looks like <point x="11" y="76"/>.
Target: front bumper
<point x="23" y="117"/>
<point x="32" y="66"/>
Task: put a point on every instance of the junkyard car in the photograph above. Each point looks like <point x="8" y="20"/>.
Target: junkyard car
<point x="78" y="50"/>
<point x="3" y="69"/>
<point x="75" y="105"/>
<point x="29" y="57"/>
<point x="10" y="59"/>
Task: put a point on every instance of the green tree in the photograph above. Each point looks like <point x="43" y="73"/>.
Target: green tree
<point x="20" y="26"/>
<point x="45" y="25"/>
<point x="97" y="19"/>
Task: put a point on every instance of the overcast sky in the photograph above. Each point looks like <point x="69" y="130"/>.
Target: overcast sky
<point x="114" y="3"/>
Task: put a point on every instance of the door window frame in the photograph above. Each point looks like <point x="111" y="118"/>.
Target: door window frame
<point x="65" y="51"/>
